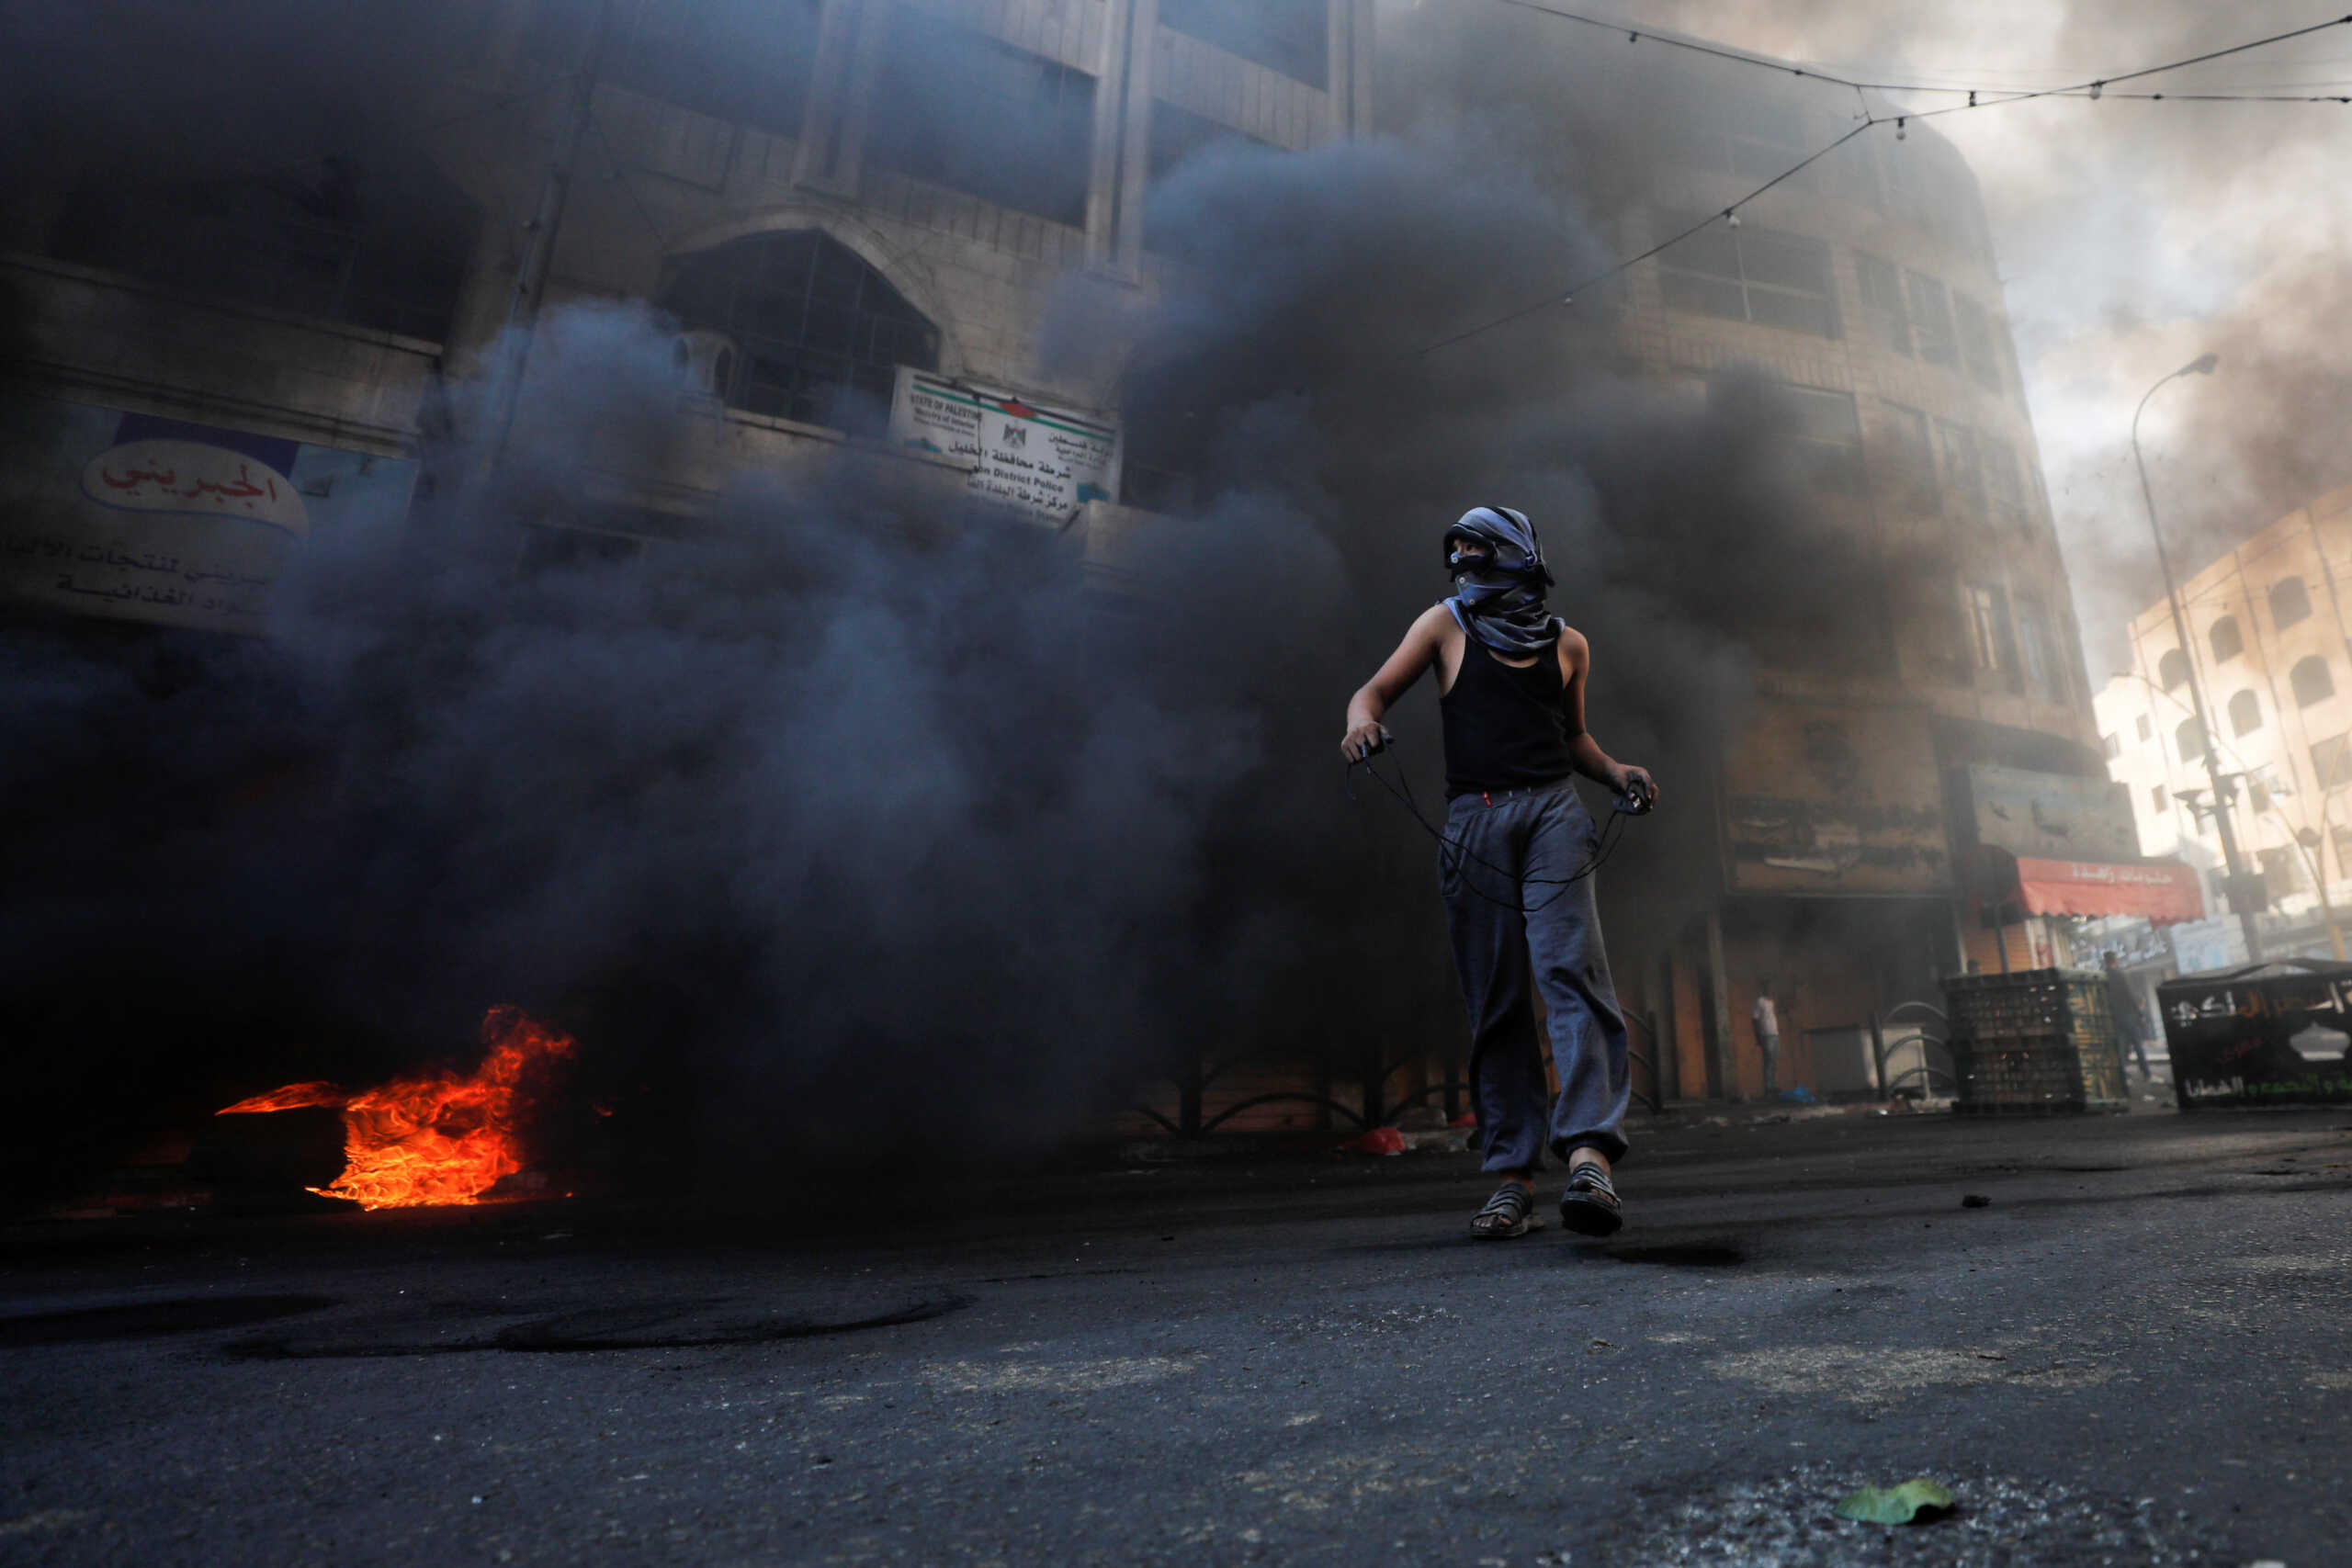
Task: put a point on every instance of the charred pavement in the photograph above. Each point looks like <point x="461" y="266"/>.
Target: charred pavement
<point x="2135" y="1352"/>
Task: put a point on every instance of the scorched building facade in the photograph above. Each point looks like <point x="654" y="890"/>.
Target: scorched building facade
<point x="820" y="196"/>
<point x="1904" y="773"/>
<point x="840" y="208"/>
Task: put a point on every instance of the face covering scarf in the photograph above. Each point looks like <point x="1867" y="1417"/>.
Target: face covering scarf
<point x="1501" y="602"/>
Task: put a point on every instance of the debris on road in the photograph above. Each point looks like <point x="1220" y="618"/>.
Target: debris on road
<point x="1779" y="1519"/>
<point x="1976" y="1200"/>
<point x="1916" y="1501"/>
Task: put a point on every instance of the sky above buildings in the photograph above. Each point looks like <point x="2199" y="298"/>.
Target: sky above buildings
<point x="2131" y="236"/>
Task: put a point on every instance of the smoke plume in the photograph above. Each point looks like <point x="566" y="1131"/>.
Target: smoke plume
<point x="853" y="829"/>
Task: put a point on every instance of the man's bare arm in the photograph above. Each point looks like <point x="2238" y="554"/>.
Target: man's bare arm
<point x="1584" y="752"/>
<point x="1377" y="695"/>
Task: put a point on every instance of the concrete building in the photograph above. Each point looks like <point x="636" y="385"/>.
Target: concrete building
<point x="1896" y="769"/>
<point x="1916" y="789"/>
<point x="741" y="167"/>
<point x="2269" y="652"/>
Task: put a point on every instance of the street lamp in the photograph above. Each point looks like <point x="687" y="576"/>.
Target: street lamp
<point x="2247" y="921"/>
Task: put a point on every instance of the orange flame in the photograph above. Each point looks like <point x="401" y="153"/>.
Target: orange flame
<point x="442" y="1139"/>
<point x="293" y="1097"/>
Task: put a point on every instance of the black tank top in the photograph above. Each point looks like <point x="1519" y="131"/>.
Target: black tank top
<point x="1504" y="727"/>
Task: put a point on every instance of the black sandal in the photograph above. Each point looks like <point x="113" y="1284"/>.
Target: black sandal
<point x="1509" y="1213"/>
<point x="1590" y="1206"/>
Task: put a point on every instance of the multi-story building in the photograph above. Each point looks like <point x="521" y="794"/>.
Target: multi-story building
<point x="751" y="172"/>
<point x="1908" y="773"/>
<point x="2268" y="654"/>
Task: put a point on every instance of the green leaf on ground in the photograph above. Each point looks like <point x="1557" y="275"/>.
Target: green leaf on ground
<point x="1894" y="1505"/>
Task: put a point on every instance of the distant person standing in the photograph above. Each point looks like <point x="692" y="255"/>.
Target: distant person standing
<point x="1767" y="1036"/>
<point x="2123" y="1007"/>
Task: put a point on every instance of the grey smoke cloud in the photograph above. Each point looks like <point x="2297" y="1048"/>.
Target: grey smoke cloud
<point x="877" y="837"/>
<point x="1304" y="288"/>
<point x="2131" y="238"/>
<point x="868" y="831"/>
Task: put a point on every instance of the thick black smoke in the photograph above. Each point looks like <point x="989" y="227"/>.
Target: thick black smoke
<point x="2133" y="237"/>
<point x="1294" y="358"/>
<point x="860" y="827"/>
<point x="853" y="833"/>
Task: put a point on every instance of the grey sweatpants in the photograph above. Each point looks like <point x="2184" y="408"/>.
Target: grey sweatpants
<point x="1553" y="947"/>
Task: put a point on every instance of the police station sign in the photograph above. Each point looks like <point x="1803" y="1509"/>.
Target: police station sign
<point x="1044" y="460"/>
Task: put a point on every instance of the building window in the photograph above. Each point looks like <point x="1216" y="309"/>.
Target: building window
<point x="1882" y="311"/>
<point x="2289" y="602"/>
<point x="741" y="60"/>
<point x="2189" y="740"/>
<point x="2042" y="673"/>
<point x="2332" y="761"/>
<point x="2111" y="745"/>
<point x="996" y="122"/>
<point x="2172" y="669"/>
<point x="1756" y="137"/>
<point x="2226" y="642"/>
<point x="1828" y="434"/>
<point x="2282" y="872"/>
<point x="2311" y="682"/>
<point x="1963" y="471"/>
<point x="2158" y="801"/>
<point x="1911" y="466"/>
<point x="1176" y="135"/>
<point x="2000" y="464"/>
<point x="378" y="243"/>
<point x="819" y="334"/>
<point x="1976" y="352"/>
<point x="1931" y="320"/>
<point x="1988" y="626"/>
<point x="1751" y="274"/>
<point x="2246" y="714"/>
<point x="2147" y="730"/>
<point x="1759" y="139"/>
<point x="1289" y="35"/>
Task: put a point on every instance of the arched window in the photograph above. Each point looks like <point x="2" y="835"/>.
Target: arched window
<point x="2311" y="682"/>
<point x="2172" y="669"/>
<point x="2246" y="714"/>
<point x="2190" y="740"/>
<point x="2289" y="602"/>
<point x="2227" y="643"/>
<point x="819" y="334"/>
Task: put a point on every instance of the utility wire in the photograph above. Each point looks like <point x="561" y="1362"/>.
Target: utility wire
<point x="1568" y="296"/>
<point x="1634" y="35"/>
<point x="621" y="176"/>
<point x="2208" y="97"/>
<point x="2090" y="89"/>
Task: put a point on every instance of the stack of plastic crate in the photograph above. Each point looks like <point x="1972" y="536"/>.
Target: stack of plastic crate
<point x="2038" y="1042"/>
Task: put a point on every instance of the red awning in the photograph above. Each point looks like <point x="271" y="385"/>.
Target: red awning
<point x="2164" y="891"/>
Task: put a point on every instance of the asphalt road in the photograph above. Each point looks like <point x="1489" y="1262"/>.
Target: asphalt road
<point x="2136" y="1353"/>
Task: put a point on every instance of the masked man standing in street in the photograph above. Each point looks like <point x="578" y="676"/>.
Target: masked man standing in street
<point x="1514" y="869"/>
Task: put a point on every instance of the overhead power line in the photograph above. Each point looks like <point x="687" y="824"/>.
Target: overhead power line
<point x="1569" y="297"/>
<point x="1978" y="97"/>
<point x="1635" y="35"/>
